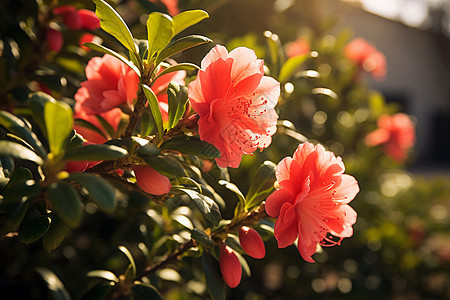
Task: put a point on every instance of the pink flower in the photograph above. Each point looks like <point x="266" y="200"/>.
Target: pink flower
<point x="110" y="83"/>
<point x="54" y="39"/>
<point x="230" y="267"/>
<point x="88" y="38"/>
<point x="252" y="242"/>
<point x="367" y="57"/>
<point x="235" y="103"/>
<point x="171" y="5"/>
<point x="298" y="47"/>
<point x="151" y="181"/>
<point x="396" y="134"/>
<point x="311" y="204"/>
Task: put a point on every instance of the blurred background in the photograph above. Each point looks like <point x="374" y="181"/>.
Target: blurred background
<point x="401" y="243"/>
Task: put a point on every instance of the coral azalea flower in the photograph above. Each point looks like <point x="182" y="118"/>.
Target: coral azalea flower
<point x="367" y="57"/>
<point x="235" y="103"/>
<point x="396" y="134"/>
<point x="312" y="203"/>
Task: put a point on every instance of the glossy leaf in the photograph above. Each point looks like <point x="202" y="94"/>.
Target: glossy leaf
<point x="186" y="19"/>
<point x="146" y="148"/>
<point x="19" y="191"/>
<point x="290" y="67"/>
<point x="143" y="291"/>
<point x="37" y="103"/>
<point x="166" y="165"/>
<point x="177" y="99"/>
<point x="13" y="213"/>
<point x="65" y="202"/>
<point x="18" y="151"/>
<point x="95" y="153"/>
<point x="59" y="123"/>
<point x="104" y="274"/>
<point x="202" y="238"/>
<point x="103" y="49"/>
<point x="180" y="45"/>
<point x="54" y="285"/>
<point x="232" y="187"/>
<point x="90" y="126"/>
<point x="261" y="184"/>
<point x="208" y="208"/>
<point x="147" y="124"/>
<point x="99" y="190"/>
<point x="112" y="22"/>
<point x="130" y="259"/>
<point x="178" y="67"/>
<point x="105" y="124"/>
<point x="33" y="226"/>
<point x="159" y="32"/>
<point x="75" y="141"/>
<point x="55" y="234"/>
<point x="214" y="281"/>
<point x="154" y="106"/>
<point x="191" y="145"/>
<point x="20" y="129"/>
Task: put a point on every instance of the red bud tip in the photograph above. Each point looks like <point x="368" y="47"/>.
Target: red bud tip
<point x="54" y="39"/>
<point x="151" y="181"/>
<point x="230" y="267"/>
<point x="252" y="242"/>
<point x="89" y="19"/>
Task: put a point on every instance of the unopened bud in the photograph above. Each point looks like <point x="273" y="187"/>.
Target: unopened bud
<point x="54" y="39"/>
<point x="89" y="19"/>
<point x="230" y="267"/>
<point x="151" y="181"/>
<point x="252" y="242"/>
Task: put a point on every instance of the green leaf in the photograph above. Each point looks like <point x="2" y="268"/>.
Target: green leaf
<point x="178" y="67"/>
<point x="159" y="32"/>
<point x="33" y="226"/>
<point x="15" y="191"/>
<point x="191" y="145"/>
<point x="275" y="50"/>
<point x="103" y="49"/>
<point x="147" y="124"/>
<point x="99" y="190"/>
<point x="130" y="259"/>
<point x="59" y="123"/>
<point x="90" y="126"/>
<point x="214" y="281"/>
<point x="75" y="141"/>
<point x="180" y="45"/>
<point x="65" y="202"/>
<point x="144" y="291"/>
<point x="13" y="214"/>
<point x="99" y="291"/>
<point x="208" y="208"/>
<point x="20" y="129"/>
<point x="55" y="234"/>
<point x="145" y="147"/>
<point x="186" y="19"/>
<point x="202" y="238"/>
<point x="154" y="106"/>
<point x="177" y="99"/>
<point x="18" y="151"/>
<point x="104" y="274"/>
<point x="112" y="23"/>
<point x="108" y="128"/>
<point x="37" y="103"/>
<point x="290" y="66"/>
<point x="54" y="285"/>
<point x="232" y="187"/>
<point x="325" y="92"/>
<point x="166" y="165"/>
<point x="95" y="153"/>
<point x="261" y="184"/>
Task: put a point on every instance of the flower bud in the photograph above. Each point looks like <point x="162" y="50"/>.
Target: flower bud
<point x="54" y="39"/>
<point x="151" y="181"/>
<point x="230" y="267"/>
<point x="72" y="20"/>
<point x="251" y="242"/>
<point x="89" y="19"/>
